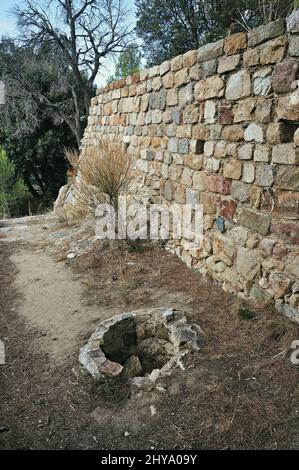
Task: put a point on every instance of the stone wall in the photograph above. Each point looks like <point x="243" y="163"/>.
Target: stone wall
<point x="219" y="126"/>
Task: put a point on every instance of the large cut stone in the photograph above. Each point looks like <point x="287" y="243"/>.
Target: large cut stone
<point x="210" y="51"/>
<point x="238" y="85"/>
<point x="265" y="32"/>
<point x="248" y="263"/>
<point x="288" y="106"/>
<point x="254" y="132"/>
<point x="286" y="154"/>
<point x="224" y="249"/>
<point x="209" y="88"/>
<point x="284" y="75"/>
<point x="287" y="177"/>
<point x="255" y="220"/>
<point x="262" y="83"/>
<point x="293" y="22"/>
<point x="234" y="43"/>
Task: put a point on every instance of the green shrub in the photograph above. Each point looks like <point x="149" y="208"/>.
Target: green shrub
<point x="12" y="189"/>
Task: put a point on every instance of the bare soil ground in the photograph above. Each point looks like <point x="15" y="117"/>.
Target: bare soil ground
<point x="241" y="391"/>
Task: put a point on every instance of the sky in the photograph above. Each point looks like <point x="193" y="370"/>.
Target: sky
<point x="8" y="27"/>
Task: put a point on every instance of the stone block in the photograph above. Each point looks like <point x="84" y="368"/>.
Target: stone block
<point x="248" y="172"/>
<point x="284" y="75"/>
<point x="279" y="132"/>
<point x="228" y="208"/>
<point x="232" y="169"/>
<point x="254" y="132"/>
<point x="245" y="152"/>
<point x="293" y="22"/>
<point x="238" y="85"/>
<point x="255" y="220"/>
<point x="273" y="51"/>
<point x="286" y="230"/>
<point x="235" y="43"/>
<point x="211" y="87"/>
<point x="261" y="153"/>
<point x="181" y="77"/>
<point x="248" y="263"/>
<point x="264" y="175"/>
<point x="224" y="249"/>
<point x="210" y="51"/>
<point x="232" y="133"/>
<point x="288" y="107"/>
<point x="287" y="177"/>
<point x="263" y="33"/>
<point x="286" y="154"/>
<point x="229" y="63"/>
<point x="217" y="184"/>
<point x="262" y="81"/>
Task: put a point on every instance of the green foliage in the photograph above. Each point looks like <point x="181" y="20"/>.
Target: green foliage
<point x="12" y="189"/>
<point x="172" y="27"/>
<point x="129" y="62"/>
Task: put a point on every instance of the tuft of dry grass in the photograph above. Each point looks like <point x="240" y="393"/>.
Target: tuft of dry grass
<point x="105" y="173"/>
<point x="72" y="156"/>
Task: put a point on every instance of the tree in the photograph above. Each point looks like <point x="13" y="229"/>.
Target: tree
<point x="32" y="133"/>
<point x="172" y="27"/>
<point x="128" y="63"/>
<point x="84" y="32"/>
<point x="12" y="189"/>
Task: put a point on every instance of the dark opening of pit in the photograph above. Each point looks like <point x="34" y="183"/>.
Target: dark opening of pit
<point x="140" y="347"/>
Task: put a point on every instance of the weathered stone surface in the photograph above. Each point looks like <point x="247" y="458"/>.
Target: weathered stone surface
<point x="224" y="249"/>
<point x="228" y="208"/>
<point x="198" y="180"/>
<point x="238" y="85"/>
<point x="286" y="154"/>
<point x="264" y="175"/>
<point x="255" y="220"/>
<point x="209" y="88"/>
<point x="233" y="133"/>
<point x="192" y="196"/>
<point x="210" y="51"/>
<point x="217" y="184"/>
<point x="273" y="51"/>
<point x="210" y="111"/>
<point x="265" y="32"/>
<point x="288" y="107"/>
<point x="227" y="64"/>
<point x="245" y="152"/>
<point x="251" y="57"/>
<point x="172" y="97"/>
<point x="225" y="115"/>
<point x="296" y="137"/>
<point x="248" y="172"/>
<point x="287" y="177"/>
<point x="243" y="111"/>
<point x="235" y="43"/>
<point x="293" y="22"/>
<point x="189" y="58"/>
<point x="284" y="75"/>
<point x="292" y="265"/>
<point x="261" y="153"/>
<point x="262" y="81"/>
<point x="294" y="46"/>
<point x="186" y="96"/>
<point x="248" y="263"/>
<point x="209" y="67"/>
<point x="287" y="230"/>
<point x="181" y="77"/>
<point x="254" y="132"/>
<point x="232" y="170"/>
<point x="165" y="67"/>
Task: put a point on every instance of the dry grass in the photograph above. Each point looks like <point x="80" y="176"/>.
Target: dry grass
<point x="105" y="174"/>
<point x="72" y="156"/>
<point x="241" y="391"/>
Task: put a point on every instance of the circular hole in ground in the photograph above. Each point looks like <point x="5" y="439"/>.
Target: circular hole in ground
<point x="140" y="347"/>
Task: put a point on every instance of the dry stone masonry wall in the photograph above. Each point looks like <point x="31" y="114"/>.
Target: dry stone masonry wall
<point x="219" y="126"/>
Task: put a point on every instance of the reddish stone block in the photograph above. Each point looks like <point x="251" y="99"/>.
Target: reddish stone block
<point x="135" y="77"/>
<point x="228" y="208"/>
<point x="217" y="184"/>
<point x="225" y="115"/>
<point x="287" y="230"/>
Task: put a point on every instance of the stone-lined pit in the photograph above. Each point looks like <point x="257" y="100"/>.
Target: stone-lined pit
<point x="143" y="343"/>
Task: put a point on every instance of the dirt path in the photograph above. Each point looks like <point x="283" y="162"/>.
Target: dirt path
<point x="242" y="392"/>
